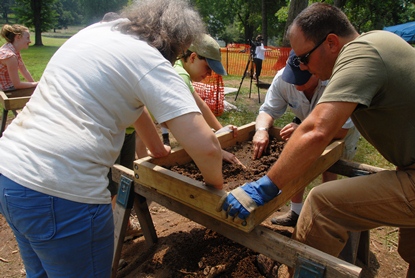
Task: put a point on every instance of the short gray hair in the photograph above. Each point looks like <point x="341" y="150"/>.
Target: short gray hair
<point x="168" y="25"/>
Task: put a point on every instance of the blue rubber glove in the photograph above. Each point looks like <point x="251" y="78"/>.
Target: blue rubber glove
<point x="241" y="201"/>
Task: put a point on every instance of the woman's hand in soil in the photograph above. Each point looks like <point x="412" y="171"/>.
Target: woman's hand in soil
<point x="231" y="158"/>
<point x="288" y="130"/>
<point x="260" y="142"/>
<point x="241" y="201"/>
<point x="158" y="155"/>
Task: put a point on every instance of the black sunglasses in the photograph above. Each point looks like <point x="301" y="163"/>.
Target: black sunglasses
<point x="303" y="59"/>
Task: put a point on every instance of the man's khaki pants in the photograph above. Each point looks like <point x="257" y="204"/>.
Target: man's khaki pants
<point x="358" y="204"/>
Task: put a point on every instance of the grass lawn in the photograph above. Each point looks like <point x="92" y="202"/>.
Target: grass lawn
<point x="36" y="57"/>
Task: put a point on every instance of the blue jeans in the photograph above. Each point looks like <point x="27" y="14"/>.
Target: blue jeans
<point x="57" y="237"/>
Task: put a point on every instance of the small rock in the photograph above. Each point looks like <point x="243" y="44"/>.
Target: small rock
<point x="266" y="265"/>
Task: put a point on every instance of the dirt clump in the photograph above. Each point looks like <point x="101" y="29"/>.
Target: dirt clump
<point x="235" y="175"/>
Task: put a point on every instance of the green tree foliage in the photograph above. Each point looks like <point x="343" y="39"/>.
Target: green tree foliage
<point x="368" y="15"/>
<point x="229" y="20"/>
<point x="29" y="12"/>
<point x="219" y="17"/>
<point x="70" y="13"/>
<point x="296" y="6"/>
<point x="94" y="10"/>
<point x="5" y="8"/>
<point x="272" y="27"/>
<point x="408" y="14"/>
<point x="371" y="15"/>
<point x="240" y="20"/>
<point x="45" y="15"/>
<point x="40" y="15"/>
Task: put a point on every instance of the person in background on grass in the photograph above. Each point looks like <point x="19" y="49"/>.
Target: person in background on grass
<point x="299" y="90"/>
<point x="195" y="65"/>
<point x="372" y="82"/>
<point x="56" y="154"/>
<point x="17" y="38"/>
<point x="259" y="55"/>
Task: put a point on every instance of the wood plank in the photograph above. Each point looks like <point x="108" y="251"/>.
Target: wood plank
<point x="261" y="239"/>
<point x="183" y="189"/>
<point x="179" y="156"/>
<point x="16" y="99"/>
<point x="363" y="252"/>
<point x="349" y="252"/>
<point x="193" y="193"/>
<point x="144" y="218"/>
<point x="245" y="133"/>
<point x="352" y="169"/>
<point x="121" y="216"/>
<point x="140" y="206"/>
<point x="330" y="155"/>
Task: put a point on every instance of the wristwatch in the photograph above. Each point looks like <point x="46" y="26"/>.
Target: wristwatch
<point x="262" y="128"/>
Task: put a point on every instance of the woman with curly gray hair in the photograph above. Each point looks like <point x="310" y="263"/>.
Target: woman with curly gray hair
<point x="167" y="25"/>
<point x="57" y="152"/>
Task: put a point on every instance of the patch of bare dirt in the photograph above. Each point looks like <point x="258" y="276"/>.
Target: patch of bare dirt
<point x="11" y="264"/>
<point x="186" y="249"/>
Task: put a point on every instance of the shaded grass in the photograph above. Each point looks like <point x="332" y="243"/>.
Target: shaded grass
<point x="37" y="57"/>
<point x="63" y="33"/>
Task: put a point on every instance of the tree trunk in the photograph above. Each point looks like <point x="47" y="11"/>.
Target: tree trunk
<point x="296" y="6"/>
<point x="264" y="22"/>
<point x="248" y="28"/>
<point x="339" y="3"/>
<point x="37" y="14"/>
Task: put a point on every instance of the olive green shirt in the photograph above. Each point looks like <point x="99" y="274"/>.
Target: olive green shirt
<point x="377" y="71"/>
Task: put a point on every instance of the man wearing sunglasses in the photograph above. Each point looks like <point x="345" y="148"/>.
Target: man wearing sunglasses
<point x="374" y="83"/>
<point x="300" y="91"/>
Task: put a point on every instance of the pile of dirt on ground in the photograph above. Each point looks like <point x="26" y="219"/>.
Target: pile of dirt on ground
<point x="187" y="249"/>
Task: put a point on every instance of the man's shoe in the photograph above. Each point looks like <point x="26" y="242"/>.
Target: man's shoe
<point x="288" y="220"/>
<point x="166" y="140"/>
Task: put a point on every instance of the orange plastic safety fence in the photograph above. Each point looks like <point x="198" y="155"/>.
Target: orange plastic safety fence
<point x="284" y="53"/>
<point x="212" y="91"/>
<point x="236" y="60"/>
